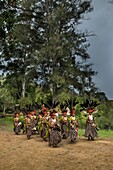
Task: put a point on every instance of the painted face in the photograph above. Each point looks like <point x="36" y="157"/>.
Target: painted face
<point x="73" y="112"/>
<point x="53" y="116"/>
<point x="45" y="113"/>
<point x="29" y="115"/>
<point x="65" y="113"/>
<point x="90" y="111"/>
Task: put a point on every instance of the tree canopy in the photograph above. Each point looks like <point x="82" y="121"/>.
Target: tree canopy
<point x="43" y="48"/>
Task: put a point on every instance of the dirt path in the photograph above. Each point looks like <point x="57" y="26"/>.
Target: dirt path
<point x="18" y="153"/>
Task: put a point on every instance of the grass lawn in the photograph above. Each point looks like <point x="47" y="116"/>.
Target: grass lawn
<point x="105" y="134"/>
<point x="6" y="123"/>
<point x="101" y="133"/>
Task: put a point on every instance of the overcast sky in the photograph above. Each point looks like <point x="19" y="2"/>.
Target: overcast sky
<point x="101" y="49"/>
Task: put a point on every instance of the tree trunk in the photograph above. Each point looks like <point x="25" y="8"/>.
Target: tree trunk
<point x="23" y="87"/>
<point x="4" y="108"/>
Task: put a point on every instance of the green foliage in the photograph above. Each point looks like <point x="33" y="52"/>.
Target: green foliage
<point x="104" y="115"/>
<point x="24" y="101"/>
<point x="6" y="99"/>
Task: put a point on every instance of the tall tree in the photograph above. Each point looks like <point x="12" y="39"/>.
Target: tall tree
<point x="46" y="40"/>
<point x="64" y="44"/>
<point x="17" y="54"/>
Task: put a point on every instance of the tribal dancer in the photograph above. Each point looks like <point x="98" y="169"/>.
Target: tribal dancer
<point x="64" y="125"/>
<point x="17" y="124"/>
<point x="91" y="127"/>
<point x="54" y="130"/>
<point x="73" y="129"/>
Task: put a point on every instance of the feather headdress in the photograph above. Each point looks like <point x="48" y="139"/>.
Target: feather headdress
<point x="89" y="105"/>
<point x="50" y="104"/>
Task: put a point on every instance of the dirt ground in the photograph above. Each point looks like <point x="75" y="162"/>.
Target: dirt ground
<point x="18" y="153"/>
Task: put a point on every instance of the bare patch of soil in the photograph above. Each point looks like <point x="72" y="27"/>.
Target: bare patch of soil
<point x="18" y="153"/>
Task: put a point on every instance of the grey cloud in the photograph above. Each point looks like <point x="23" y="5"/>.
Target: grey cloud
<point x="101" y="49"/>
